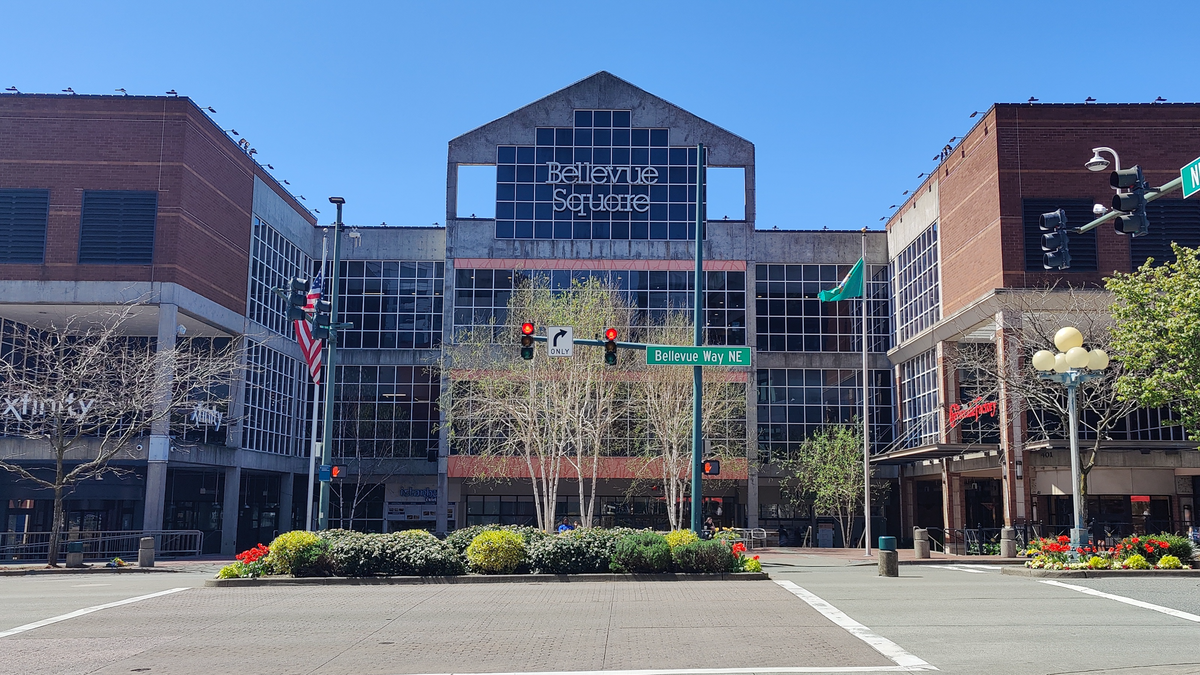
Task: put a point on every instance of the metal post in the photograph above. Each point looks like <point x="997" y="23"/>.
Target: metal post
<point x="312" y="459"/>
<point x="1077" y="531"/>
<point x="866" y="393"/>
<point x="698" y="371"/>
<point x="330" y="367"/>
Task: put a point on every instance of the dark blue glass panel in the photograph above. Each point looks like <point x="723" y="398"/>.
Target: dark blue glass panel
<point x="620" y="156"/>
<point x="620" y="137"/>
<point x="659" y="193"/>
<point x="600" y="230"/>
<point x="602" y="156"/>
<point x="545" y="136"/>
<point x="640" y="137"/>
<point x="583" y="118"/>
<point x="504" y="210"/>
<point x="504" y="229"/>
<point x="564" y="214"/>
<point x="659" y="156"/>
<point x="583" y="154"/>
<point x="524" y="192"/>
<point x="562" y="229"/>
<point x="525" y="210"/>
<point x="544" y="155"/>
<point x="602" y="137"/>
<point x="639" y="156"/>
<point x="677" y="175"/>
<point x="658" y="138"/>
<point x="620" y="230"/>
<point x="564" y="136"/>
<point x="583" y="137"/>
<point x="679" y="231"/>
<point x="658" y="230"/>
<point x="582" y="230"/>
<point x="620" y="118"/>
<point x="564" y="155"/>
<point x="602" y="118"/>
<point x="678" y="156"/>
<point x="691" y="231"/>
<point x="524" y="173"/>
<point x="691" y="156"/>
<point x="524" y="230"/>
<point x="505" y="192"/>
<point x="506" y="173"/>
<point x="506" y="154"/>
<point x="543" y="192"/>
<point x="678" y="193"/>
<point x="525" y="155"/>
<point x="542" y="230"/>
<point x="658" y="211"/>
<point x="544" y="211"/>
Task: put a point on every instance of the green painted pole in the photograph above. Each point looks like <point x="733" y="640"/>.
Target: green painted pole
<point x="698" y="371"/>
<point x="330" y="365"/>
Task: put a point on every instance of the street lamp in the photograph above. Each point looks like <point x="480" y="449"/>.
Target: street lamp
<point x="1098" y="163"/>
<point x="1071" y="366"/>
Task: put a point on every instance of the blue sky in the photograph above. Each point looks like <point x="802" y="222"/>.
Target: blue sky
<point x="845" y="102"/>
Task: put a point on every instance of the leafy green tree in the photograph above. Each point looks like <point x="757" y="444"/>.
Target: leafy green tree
<point x="1156" y="333"/>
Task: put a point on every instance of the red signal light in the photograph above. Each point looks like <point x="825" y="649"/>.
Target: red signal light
<point x="527" y="329"/>
<point x="335" y="471"/>
<point x="610" y="334"/>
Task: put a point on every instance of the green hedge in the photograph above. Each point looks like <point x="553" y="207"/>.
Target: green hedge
<point x="459" y="540"/>
<point x="643" y="553"/>
<point x="707" y="557"/>
<point x="355" y="554"/>
<point x="496" y="552"/>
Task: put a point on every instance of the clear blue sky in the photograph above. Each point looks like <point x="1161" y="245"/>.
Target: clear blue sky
<point x="845" y="100"/>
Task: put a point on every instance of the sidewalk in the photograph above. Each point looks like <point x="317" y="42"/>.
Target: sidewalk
<point x="854" y="556"/>
<point x="202" y="563"/>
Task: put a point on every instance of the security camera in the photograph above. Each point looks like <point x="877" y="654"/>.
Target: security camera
<point x="181" y="330"/>
<point x="139" y="447"/>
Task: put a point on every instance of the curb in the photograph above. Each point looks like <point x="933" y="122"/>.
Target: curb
<point x="85" y="570"/>
<point x="1096" y="574"/>
<point x="478" y="579"/>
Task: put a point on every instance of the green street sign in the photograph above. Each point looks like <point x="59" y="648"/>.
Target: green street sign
<point x="1191" y="178"/>
<point x="697" y="356"/>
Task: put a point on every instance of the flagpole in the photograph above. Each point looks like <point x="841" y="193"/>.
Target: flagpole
<point x="312" y="455"/>
<point x="866" y="394"/>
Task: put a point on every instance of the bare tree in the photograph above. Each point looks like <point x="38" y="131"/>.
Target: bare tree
<point x="87" y="391"/>
<point x="1030" y="319"/>
<point x="663" y="396"/>
<point x="369" y="436"/>
<point x="546" y="414"/>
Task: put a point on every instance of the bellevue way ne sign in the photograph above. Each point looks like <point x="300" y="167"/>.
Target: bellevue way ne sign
<point x="1191" y="178"/>
<point x="657" y="355"/>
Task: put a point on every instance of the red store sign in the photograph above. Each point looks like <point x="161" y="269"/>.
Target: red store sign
<point x="973" y="410"/>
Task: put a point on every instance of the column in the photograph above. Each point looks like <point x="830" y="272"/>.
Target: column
<point x="160" y="430"/>
<point x="752" y="510"/>
<point x="286" y="504"/>
<point x="229" y="509"/>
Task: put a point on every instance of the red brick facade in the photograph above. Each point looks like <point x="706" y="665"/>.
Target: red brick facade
<point x="205" y="185"/>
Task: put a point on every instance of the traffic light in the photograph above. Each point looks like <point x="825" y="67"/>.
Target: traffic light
<point x="712" y="467"/>
<point x="527" y="341"/>
<point x="329" y="472"/>
<point x="610" y="347"/>
<point x="1057" y="254"/>
<point x="1132" y="202"/>
<point x="297" y="300"/>
<point x="322" y="320"/>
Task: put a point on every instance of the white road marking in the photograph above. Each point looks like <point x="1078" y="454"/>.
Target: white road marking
<point x="88" y="585"/>
<point x="985" y="568"/>
<point x="1128" y="601"/>
<point x="719" y="671"/>
<point x="85" y="610"/>
<point x="959" y="568"/>
<point x="882" y="645"/>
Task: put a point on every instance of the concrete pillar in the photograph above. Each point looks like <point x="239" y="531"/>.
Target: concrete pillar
<point x="889" y="564"/>
<point x="286" y="506"/>
<point x="229" y="510"/>
<point x="920" y="543"/>
<point x="146" y="552"/>
<point x="160" y="430"/>
<point x="1008" y="542"/>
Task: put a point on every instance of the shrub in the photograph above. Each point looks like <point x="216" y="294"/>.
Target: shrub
<point x="250" y="563"/>
<point x="564" y="554"/>
<point x="643" y="552"/>
<point x="708" y="557"/>
<point x="751" y="564"/>
<point x="496" y="552"/>
<point x="680" y="537"/>
<point x="356" y="554"/>
<point x="1169" y="562"/>
<point x="1154" y="546"/>
<point x="1178" y="547"/>
<point x="1136" y="562"/>
<point x="459" y="540"/>
<point x="300" y="554"/>
<point x="421" y="534"/>
<point x="1098" y="563"/>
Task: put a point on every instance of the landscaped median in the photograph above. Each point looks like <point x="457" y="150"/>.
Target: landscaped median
<point x="1137" y="555"/>
<point x="489" y="553"/>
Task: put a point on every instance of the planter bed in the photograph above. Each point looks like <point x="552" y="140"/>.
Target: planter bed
<point x="478" y="579"/>
<point x="1097" y="574"/>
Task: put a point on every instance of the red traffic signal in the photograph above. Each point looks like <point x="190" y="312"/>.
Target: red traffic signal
<point x="712" y="467"/>
<point x="610" y="334"/>
<point x="335" y="471"/>
<point x="527" y="329"/>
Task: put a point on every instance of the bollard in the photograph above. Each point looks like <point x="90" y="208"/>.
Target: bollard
<point x="75" y="554"/>
<point x="920" y="543"/>
<point x="146" y="552"/>
<point x="1008" y="542"/>
<point x="889" y="564"/>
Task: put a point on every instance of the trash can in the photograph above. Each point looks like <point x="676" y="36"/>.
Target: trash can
<point x="887" y="543"/>
<point x="74" y="554"/>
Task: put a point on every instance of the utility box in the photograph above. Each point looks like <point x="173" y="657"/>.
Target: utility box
<point x="74" y="554"/>
<point x="825" y="536"/>
<point x="146" y="552"/>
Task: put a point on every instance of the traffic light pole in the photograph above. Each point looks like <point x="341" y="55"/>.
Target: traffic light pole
<point x="698" y="371"/>
<point x="1150" y="196"/>
<point x="331" y="365"/>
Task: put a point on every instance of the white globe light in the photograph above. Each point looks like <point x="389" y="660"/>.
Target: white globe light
<point x="1097" y="359"/>
<point x="1077" y="357"/>
<point x="1060" y="363"/>
<point x="1044" y="360"/>
<point x="1068" y="337"/>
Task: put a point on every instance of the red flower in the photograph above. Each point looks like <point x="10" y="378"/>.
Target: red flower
<point x="1062" y="539"/>
<point x="1134" y="540"/>
<point x="739" y="548"/>
<point x="1163" y="544"/>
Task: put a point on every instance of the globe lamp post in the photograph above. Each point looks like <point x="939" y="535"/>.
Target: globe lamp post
<point x="1072" y="366"/>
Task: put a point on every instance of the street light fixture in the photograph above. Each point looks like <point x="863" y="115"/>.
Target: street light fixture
<point x="1098" y="163"/>
<point x="1072" y="366"/>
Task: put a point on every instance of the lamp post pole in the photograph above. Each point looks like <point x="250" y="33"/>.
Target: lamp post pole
<point x="698" y="371"/>
<point x="1078" y="533"/>
<point x="331" y="365"/>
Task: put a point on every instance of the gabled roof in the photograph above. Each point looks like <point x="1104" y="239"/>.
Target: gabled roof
<point x="602" y="90"/>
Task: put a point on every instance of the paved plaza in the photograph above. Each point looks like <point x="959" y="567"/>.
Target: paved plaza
<point x="817" y="614"/>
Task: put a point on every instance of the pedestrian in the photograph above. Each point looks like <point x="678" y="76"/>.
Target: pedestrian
<point x="564" y="527"/>
<point x="577" y="525"/>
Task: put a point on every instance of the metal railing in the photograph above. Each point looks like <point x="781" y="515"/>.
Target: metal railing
<point x="100" y="545"/>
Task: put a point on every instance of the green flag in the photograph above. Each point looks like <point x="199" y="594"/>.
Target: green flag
<point x="850" y="287"/>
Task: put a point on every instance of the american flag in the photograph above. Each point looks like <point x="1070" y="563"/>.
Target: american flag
<point x="308" y="345"/>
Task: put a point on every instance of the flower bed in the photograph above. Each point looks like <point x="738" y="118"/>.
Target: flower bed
<point x="1146" y="552"/>
<point x="490" y="550"/>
